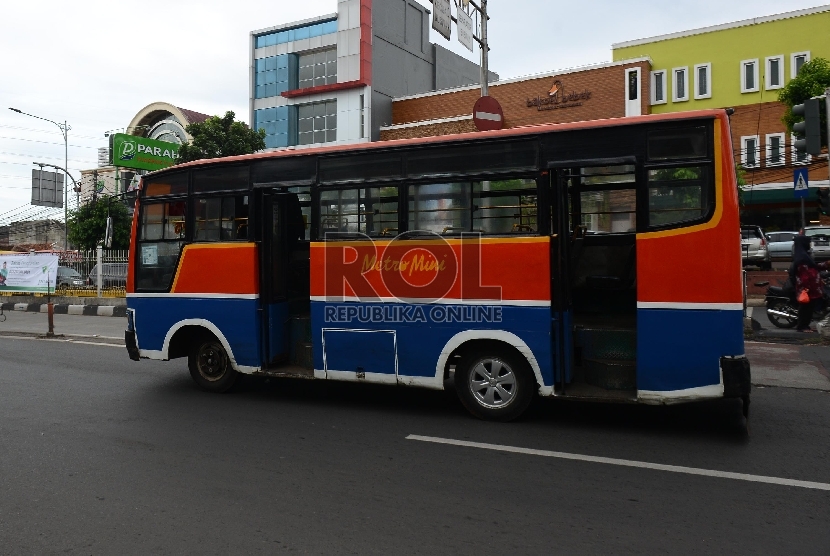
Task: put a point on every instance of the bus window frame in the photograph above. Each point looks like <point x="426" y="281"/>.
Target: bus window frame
<point x="709" y="164"/>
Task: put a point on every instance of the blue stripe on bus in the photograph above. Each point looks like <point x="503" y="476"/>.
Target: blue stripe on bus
<point x="421" y="332"/>
<point x="681" y="348"/>
<point x="236" y="319"/>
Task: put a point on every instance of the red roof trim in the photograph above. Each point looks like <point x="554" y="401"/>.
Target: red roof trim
<point x="322" y="89"/>
<point x="510" y="132"/>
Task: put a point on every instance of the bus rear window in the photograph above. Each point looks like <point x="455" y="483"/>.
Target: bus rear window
<point x="667" y="144"/>
<point x="173" y="184"/>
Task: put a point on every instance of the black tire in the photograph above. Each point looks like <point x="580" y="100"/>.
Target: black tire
<point x="765" y="266"/>
<point x="506" y="383"/>
<point x="210" y="365"/>
<point x="783" y="322"/>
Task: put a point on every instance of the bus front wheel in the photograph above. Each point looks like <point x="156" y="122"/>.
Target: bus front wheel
<point x="210" y="365"/>
<point x="497" y="385"/>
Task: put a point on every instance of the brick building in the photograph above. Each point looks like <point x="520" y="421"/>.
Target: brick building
<point x="611" y="90"/>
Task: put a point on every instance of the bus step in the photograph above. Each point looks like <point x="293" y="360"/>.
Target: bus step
<point x="611" y="374"/>
<point x="607" y="343"/>
<point x="288" y="371"/>
<point x="303" y="355"/>
<point x="300" y="327"/>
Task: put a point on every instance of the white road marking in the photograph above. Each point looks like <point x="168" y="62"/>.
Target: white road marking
<point x="627" y="463"/>
<point x="61" y="340"/>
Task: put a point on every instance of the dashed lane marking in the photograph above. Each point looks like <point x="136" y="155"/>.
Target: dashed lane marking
<point x="627" y="463"/>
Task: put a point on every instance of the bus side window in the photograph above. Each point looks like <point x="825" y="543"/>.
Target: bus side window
<point x="677" y="195"/>
<point x="371" y="210"/>
<point x="221" y="218"/>
<point x="505" y="206"/>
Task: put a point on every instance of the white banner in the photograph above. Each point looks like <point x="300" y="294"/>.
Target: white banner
<point x="28" y="273"/>
<point x="442" y="17"/>
<point x="465" y="29"/>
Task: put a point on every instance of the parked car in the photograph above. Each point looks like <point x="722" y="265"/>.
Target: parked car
<point x="754" y="247"/>
<point x="113" y="275"/>
<point x="820" y="238"/>
<point x="780" y="245"/>
<point x="69" y="278"/>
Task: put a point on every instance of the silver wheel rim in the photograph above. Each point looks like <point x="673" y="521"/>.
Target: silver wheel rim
<point x="493" y="383"/>
<point x="212" y="361"/>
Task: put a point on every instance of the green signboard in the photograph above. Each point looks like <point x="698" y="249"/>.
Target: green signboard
<point x="131" y="151"/>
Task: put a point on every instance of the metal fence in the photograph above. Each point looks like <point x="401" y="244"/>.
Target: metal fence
<point x="83" y="266"/>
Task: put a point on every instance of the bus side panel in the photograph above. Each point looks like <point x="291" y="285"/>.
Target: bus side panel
<point x="489" y="288"/>
<point x="407" y="339"/>
<point x="235" y="319"/>
<point x="681" y="349"/>
<point x="690" y="291"/>
<point x="216" y="286"/>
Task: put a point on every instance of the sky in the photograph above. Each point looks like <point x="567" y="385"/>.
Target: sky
<point x="95" y="64"/>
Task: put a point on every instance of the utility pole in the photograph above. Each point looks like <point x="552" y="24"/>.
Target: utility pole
<point x="485" y="72"/>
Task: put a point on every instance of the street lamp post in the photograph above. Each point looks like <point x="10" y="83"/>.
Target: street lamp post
<point x="64" y="127"/>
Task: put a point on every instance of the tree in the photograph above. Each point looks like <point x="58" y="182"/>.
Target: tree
<point x="88" y="223"/>
<point x="223" y="136"/>
<point x="812" y="80"/>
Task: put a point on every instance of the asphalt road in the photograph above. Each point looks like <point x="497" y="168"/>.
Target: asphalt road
<point x="102" y="455"/>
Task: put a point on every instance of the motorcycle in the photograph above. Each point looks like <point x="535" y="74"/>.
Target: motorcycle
<point x="782" y="307"/>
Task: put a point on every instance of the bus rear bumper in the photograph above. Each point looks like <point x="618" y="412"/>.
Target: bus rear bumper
<point x="737" y="379"/>
<point x="132" y="346"/>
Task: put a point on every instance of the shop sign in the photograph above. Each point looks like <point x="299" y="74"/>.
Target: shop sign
<point x="558" y="98"/>
<point x="131" y="151"/>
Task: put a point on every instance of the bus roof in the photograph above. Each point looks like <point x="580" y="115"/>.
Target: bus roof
<point x="528" y="130"/>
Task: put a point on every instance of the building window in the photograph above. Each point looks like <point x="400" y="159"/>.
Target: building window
<point x="681" y="84"/>
<point x="362" y="116"/>
<point x="798" y="158"/>
<point x="317" y="123"/>
<point x="797" y="60"/>
<point x="317" y="68"/>
<point x="658" y="87"/>
<point x="774" y="75"/>
<point x="703" y="81"/>
<point x="272" y="76"/>
<point x="277" y="125"/>
<point x="749" y="76"/>
<point x="776" y="155"/>
<point x="289" y="35"/>
<point x="750" y="151"/>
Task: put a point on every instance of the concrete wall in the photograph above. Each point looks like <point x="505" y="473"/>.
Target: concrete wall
<point x="404" y="62"/>
<point x="452" y="70"/>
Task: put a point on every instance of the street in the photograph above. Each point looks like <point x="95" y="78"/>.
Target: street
<point x="106" y="455"/>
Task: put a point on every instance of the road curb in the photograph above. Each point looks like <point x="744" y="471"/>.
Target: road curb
<point x="66" y="309"/>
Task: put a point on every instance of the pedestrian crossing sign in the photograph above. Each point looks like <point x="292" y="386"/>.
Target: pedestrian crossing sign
<point x="801" y="183"/>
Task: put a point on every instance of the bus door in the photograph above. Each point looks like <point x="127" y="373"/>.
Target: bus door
<point x="561" y="307"/>
<point x="282" y="229"/>
<point x="595" y="207"/>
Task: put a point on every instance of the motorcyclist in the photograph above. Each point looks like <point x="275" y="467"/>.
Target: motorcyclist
<point x="804" y="275"/>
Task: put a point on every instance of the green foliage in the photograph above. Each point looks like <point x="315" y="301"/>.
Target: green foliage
<point x="217" y="137"/>
<point x="812" y="80"/>
<point x="88" y="224"/>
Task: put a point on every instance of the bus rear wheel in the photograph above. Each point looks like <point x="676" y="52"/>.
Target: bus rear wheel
<point x="497" y="385"/>
<point x="210" y="365"/>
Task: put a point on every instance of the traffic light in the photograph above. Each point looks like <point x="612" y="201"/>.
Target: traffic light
<point x="824" y="200"/>
<point x="808" y="132"/>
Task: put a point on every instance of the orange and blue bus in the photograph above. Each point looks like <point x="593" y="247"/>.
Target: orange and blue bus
<point x="595" y="260"/>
